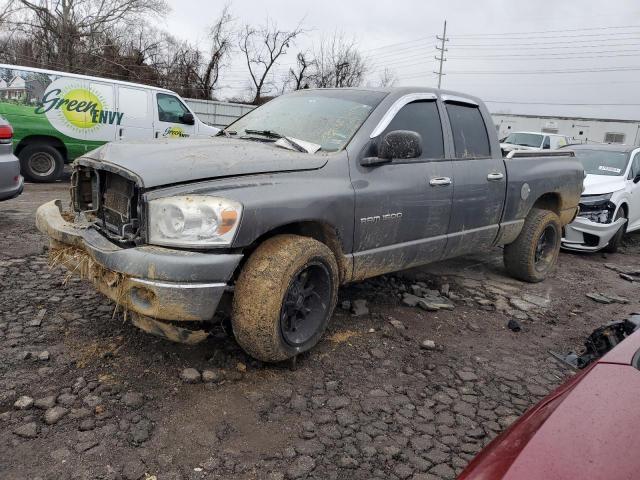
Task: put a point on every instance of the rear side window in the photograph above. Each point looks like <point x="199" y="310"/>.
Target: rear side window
<point x="469" y="132"/>
<point x="133" y="102"/>
<point x="423" y="118"/>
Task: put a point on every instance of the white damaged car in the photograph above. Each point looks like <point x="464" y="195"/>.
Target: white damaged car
<point x="610" y="202"/>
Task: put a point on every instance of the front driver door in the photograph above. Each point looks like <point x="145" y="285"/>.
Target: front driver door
<point x="169" y="121"/>
<point x="403" y="207"/>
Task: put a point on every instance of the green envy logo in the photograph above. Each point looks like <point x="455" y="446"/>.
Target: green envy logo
<point x="79" y="107"/>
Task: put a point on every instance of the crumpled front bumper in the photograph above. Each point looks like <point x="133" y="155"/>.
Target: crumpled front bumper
<point x="574" y="234"/>
<point x="155" y="282"/>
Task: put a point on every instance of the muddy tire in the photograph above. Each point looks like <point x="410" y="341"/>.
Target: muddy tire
<point x="41" y="163"/>
<point x="534" y="253"/>
<point x="616" y="240"/>
<point x="284" y="297"/>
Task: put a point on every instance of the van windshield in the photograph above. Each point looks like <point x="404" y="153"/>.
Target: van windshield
<point x="524" y="139"/>
<point x="603" y="162"/>
<point x="328" y="118"/>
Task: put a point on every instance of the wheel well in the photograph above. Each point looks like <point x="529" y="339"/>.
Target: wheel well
<point x="42" y="140"/>
<point x="625" y="207"/>
<point x="323" y="232"/>
<point x="548" y="201"/>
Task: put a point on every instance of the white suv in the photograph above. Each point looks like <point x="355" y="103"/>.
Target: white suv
<point x="532" y="141"/>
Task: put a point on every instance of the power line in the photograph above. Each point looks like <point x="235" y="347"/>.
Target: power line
<point x="545" y="55"/>
<point x="549" y="31"/>
<point x="566" y="104"/>
<point x="544" y="72"/>
<point x="535" y="44"/>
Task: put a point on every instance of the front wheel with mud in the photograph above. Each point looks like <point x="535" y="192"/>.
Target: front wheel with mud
<point x="534" y="253"/>
<point x="284" y="297"/>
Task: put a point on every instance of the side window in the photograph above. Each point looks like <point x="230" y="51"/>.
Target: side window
<point x="423" y="118"/>
<point x="546" y="144"/>
<point x="133" y="102"/>
<point x="469" y="132"/>
<point x="170" y="109"/>
<point x="635" y="167"/>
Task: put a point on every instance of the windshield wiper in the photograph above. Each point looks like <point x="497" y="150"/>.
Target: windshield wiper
<point x="226" y="133"/>
<point x="272" y="134"/>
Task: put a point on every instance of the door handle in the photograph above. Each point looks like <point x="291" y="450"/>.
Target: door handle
<point x="440" y="181"/>
<point x="493" y="176"/>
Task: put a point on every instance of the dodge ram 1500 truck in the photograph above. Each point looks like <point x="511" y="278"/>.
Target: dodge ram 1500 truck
<point x="312" y="190"/>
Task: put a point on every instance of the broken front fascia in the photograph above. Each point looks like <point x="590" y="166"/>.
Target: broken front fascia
<point x="155" y="282"/>
<point x="595" y="219"/>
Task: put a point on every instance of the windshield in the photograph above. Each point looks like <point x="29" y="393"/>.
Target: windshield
<point x="524" y="139"/>
<point x="328" y="118"/>
<point x="603" y="162"/>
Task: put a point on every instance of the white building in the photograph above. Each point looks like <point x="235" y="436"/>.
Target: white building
<point x="582" y="130"/>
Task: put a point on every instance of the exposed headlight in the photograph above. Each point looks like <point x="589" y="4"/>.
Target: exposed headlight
<point x="193" y="221"/>
<point x="597" y="208"/>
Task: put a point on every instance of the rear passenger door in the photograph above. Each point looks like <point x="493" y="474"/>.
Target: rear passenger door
<point x="137" y="113"/>
<point x="480" y="179"/>
<point x="403" y="207"/>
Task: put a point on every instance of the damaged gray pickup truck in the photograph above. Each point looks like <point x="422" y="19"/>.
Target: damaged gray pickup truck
<point x="312" y="190"/>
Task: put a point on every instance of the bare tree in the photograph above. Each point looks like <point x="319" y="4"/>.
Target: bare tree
<point x="338" y="62"/>
<point x="386" y="78"/>
<point x="59" y="28"/>
<point x="262" y="47"/>
<point x="221" y="43"/>
<point x="301" y="73"/>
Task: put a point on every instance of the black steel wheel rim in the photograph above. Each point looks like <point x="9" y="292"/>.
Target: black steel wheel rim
<point x="306" y="304"/>
<point x="545" y="247"/>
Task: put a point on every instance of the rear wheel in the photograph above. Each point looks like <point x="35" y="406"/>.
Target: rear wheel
<point x="616" y="240"/>
<point x="534" y="253"/>
<point x="284" y="297"/>
<point x="41" y="163"/>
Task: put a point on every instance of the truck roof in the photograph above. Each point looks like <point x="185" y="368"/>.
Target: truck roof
<point x="85" y="77"/>
<point x="401" y="91"/>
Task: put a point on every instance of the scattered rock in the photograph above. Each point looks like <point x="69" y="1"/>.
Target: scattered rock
<point x="28" y="430"/>
<point x="23" y="403"/>
<point x="359" y="308"/>
<point x="513" y="325"/>
<point x="54" y="414"/>
<point x="43" y="356"/>
<point x="428" y="344"/>
<point x="397" y="324"/>
<point x="301" y="466"/>
<point x="190" y="375"/>
<point x="45" y="402"/>
<point x="211" y="376"/>
<point x="596" y="297"/>
<point x="133" y="470"/>
<point x="133" y="399"/>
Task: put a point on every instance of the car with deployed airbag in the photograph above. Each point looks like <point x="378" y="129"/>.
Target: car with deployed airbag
<point x="610" y="203"/>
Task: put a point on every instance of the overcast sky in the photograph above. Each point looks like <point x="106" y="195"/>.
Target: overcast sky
<point x="543" y="39"/>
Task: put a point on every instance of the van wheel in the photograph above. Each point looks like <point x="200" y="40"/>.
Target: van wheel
<point x="616" y="240"/>
<point x="41" y="163"/>
<point x="534" y="253"/>
<point x="284" y="297"/>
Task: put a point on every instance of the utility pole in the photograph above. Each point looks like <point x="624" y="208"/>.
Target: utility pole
<point x="442" y="50"/>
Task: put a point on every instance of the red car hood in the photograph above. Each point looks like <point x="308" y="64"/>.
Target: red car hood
<point x="587" y="428"/>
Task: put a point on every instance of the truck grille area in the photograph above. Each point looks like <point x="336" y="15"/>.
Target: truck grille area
<point x="109" y="201"/>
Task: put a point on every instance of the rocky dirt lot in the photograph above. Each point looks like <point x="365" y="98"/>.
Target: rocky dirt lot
<point x="416" y="374"/>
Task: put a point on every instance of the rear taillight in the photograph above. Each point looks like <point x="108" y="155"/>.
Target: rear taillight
<point x="6" y="133"/>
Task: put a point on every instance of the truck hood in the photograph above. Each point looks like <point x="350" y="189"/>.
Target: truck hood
<point x="507" y="147"/>
<point x="167" y="162"/>
<point x="601" y="184"/>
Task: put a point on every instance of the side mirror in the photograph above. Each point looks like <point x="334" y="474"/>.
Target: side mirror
<point x="188" y="119"/>
<point x="396" y="145"/>
<point x="400" y="145"/>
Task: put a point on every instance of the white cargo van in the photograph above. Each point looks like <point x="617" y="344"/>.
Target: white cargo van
<point x="59" y="116"/>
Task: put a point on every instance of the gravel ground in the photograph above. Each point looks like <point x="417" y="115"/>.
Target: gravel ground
<point x="396" y="389"/>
